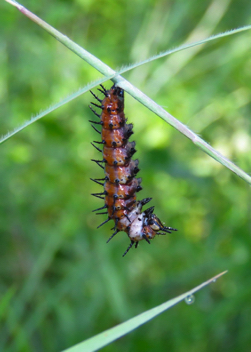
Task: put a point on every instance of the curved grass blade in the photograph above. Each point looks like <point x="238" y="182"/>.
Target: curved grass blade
<point x="110" y="335"/>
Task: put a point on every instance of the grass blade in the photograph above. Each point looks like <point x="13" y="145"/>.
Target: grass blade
<point x="133" y="91"/>
<point x="77" y="49"/>
<point x="53" y="108"/>
<point x="120" y="330"/>
<point x="199" y="142"/>
<point x="98" y="64"/>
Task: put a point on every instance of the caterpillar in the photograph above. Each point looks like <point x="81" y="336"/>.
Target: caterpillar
<point x="120" y="184"/>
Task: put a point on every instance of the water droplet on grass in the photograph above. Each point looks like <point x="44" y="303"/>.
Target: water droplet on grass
<point x="190" y="299"/>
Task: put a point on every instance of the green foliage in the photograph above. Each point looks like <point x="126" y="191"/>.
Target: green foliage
<point x="60" y="283"/>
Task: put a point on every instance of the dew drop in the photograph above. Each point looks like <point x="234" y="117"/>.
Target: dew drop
<point x="190" y="299"/>
<point x="214" y="280"/>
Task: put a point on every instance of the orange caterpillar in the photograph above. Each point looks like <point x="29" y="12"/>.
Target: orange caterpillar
<point x="120" y="184"/>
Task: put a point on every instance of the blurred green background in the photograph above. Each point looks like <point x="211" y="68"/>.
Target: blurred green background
<point x="60" y="283"/>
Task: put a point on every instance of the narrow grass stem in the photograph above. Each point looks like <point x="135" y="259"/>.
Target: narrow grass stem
<point x="199" y="142"/>
<point x="110" y="335"/>
<point x="136" y="93"/>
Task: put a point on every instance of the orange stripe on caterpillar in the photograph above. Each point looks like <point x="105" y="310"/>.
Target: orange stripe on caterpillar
<point x="120" y="184"/>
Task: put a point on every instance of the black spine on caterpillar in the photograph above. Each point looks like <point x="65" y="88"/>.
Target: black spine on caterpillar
<point x="120" y="184"/>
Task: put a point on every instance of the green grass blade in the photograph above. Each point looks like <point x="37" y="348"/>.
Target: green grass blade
<point x="6" y="301"/>
<point x="136" y="93"/>
<point x="183" y="47"/>
<point x="77" y="49"/>
<point x="199" y="142"/>
<point x="120" y="330"/>
<point x="98" y="64"/>
<point x="53" y="107"/>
